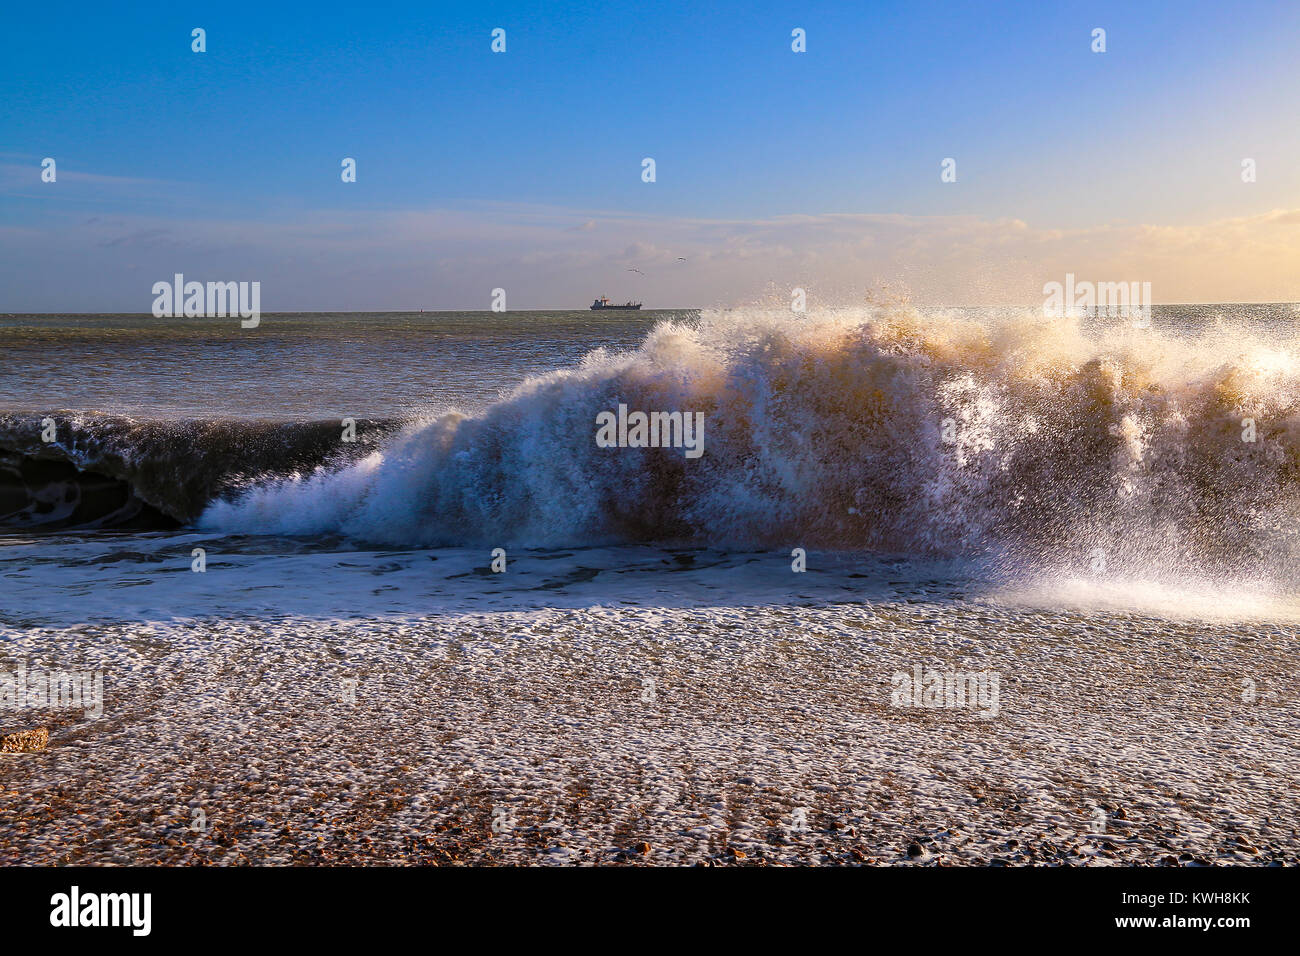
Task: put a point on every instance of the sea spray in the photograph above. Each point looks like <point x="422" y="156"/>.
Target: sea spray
<point x="872" y="429"/>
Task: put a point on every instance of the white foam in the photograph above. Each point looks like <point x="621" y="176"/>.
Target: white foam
<point x="872" y="429"/>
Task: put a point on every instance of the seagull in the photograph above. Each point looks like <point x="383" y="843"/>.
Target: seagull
<point x="637" y="271"/>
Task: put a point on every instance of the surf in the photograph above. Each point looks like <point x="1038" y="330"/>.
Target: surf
<point x="879" y="429"/>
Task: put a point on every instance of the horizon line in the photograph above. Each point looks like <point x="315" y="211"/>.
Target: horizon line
<point x="1005" y="305"/>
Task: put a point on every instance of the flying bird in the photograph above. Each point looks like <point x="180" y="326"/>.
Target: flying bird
<point x="637" y="271"/>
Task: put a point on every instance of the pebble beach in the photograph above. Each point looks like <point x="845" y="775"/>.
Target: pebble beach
<point x="691" y="736"/>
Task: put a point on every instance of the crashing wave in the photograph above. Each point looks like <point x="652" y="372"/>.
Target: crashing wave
<point x="872" y="429"/>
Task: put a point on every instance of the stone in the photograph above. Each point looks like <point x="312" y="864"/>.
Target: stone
<point x="25" y="741"/>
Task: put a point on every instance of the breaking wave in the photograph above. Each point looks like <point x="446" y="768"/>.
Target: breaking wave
<point x="875" y="429"/>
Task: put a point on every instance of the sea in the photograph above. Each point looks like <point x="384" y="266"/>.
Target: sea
<point x="377" y="466"/>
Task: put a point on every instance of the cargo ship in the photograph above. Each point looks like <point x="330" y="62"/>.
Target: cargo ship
<point x="604" y="303"/>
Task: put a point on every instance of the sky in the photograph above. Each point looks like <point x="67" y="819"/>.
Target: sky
<point x="523" y="170"/>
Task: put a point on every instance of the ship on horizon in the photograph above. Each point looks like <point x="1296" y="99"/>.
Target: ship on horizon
<point x="604" y="303"/>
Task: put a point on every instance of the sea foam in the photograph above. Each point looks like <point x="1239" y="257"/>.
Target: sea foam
<point x="877" y="429"/>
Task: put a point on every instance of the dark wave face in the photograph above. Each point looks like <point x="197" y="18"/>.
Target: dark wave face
<point x="112" y="472"/>
<point x="40" y="493"/>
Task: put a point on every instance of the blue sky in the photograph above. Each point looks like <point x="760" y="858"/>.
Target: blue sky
<point x="242" y="144"/>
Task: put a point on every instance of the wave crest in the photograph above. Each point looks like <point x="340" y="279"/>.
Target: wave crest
<point x="879" y="429"/>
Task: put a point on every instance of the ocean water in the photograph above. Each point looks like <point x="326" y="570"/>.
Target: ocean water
<point x="989" y="455"/>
